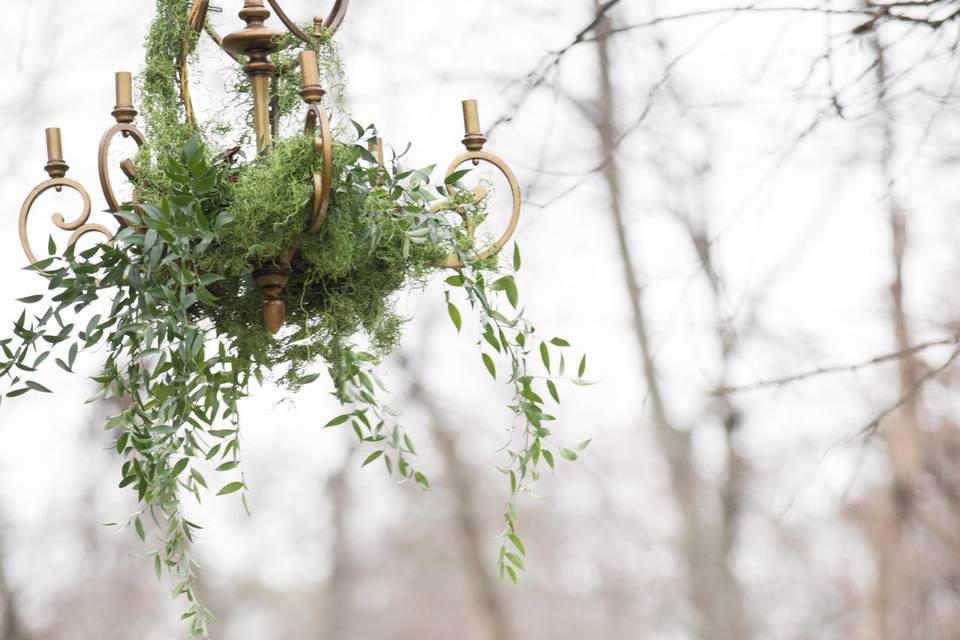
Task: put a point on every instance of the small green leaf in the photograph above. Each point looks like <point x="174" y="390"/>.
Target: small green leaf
<point x="488" y="363"/>
<point x="421" y="480"/>
<point x="198" y="477"/>
<point x="233" y="487"/>
<point x="227" y="466"/>
<point x="141" y="532"/>
<point x="548" y="456"/>
<point x="515" y="559"/>
<point x="559" y="342"/>
<point x="515" y="539"/>
<point x="455" y="315"/>
<point x="545" y="355"/>
<point x="516" y="257"/>
<point x="583" y="445"/>
<point x="552" y="388"/>
<point x="456" y="176"/>
<point x="305" y="380"/>
<point x="568" y="454"/>
<point x="373" y="456"/>
<point x="337" y="421"/>
<point x="179" y="467"/>
<point x="30" y="299"/>
<point x="583" y="367"/>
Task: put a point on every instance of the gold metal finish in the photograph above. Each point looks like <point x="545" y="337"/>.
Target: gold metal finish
<point x="103" y="163"/>
<point x="333" y="21"/>
<point x="55" y="166"/>
<point x="196" y="19"/>
<point x="257" y="42"/>
<point x="124" y="113"/>
<point x="79" y="226"/>
<point x="453" y="260"/>
<point x="473" y="138"/>
<point x="312" y="93"/>
<point x="310" y="88"/>
<point x="273" y="278"/>
<point x="322" y="182"/>
<point x="217" y="40"/>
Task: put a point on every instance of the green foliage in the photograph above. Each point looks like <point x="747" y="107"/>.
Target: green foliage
<point x="184" y="340"/>
<point x="159" y="89"/>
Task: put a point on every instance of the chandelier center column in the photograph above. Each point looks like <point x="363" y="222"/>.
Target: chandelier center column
<point x="256" y="41"/>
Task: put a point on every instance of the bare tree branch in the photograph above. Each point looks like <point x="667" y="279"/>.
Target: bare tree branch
<point x="843" y="368"/>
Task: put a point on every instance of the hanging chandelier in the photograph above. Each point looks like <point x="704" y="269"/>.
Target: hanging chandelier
<point x="221" y="272"/>
<point x="251" y="47"/>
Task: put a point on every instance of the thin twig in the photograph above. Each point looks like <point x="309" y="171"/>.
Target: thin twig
<point x="847" y="368"/>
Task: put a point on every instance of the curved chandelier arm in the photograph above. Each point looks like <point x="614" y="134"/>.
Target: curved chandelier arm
<point x="322" y="146"/>
<point x="80" y="226"/>
<point x="453" y="261"/>
<point x="128" y="131"/>
<point x="217" y="40"/>
<point x="333" y="21"/>
<point x="474" y="140"/>
<point x="196" y="19"/>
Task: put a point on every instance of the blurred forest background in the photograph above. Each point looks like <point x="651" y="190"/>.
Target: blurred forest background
<point x="744" y="213"/>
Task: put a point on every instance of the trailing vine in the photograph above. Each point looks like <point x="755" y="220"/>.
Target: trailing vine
<point x="174" y="307"/>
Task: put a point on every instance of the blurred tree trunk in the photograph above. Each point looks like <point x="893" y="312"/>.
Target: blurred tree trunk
<point x="895" y="593"/>
<point x="343" y="574"/>
<point x="494" y="617"/>
<point x="713" y="589"/>
<point x="10" y="627"/>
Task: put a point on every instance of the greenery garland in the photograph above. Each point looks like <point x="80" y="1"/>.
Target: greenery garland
<point x="183" y="333"/>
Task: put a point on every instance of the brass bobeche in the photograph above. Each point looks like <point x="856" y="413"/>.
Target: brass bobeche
<point x="255" y="42"/>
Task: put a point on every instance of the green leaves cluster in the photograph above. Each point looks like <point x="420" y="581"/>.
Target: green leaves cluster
<point x="507" y="336"/>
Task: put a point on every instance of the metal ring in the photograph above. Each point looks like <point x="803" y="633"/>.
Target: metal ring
<point x="79" y="226"/>
<point x="113" y="204"/>
<point x="453" y="260"/>
<point x="322" y="182"/>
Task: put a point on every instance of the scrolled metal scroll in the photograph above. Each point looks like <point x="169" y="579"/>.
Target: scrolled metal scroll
<point x="80" y="226"/>
<point x="128" y="131"/>
<point x="322" y="146"/>
<point x="453" y="261"/>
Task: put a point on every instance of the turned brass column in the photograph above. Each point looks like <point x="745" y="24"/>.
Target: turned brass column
<point x="256" y="42"/>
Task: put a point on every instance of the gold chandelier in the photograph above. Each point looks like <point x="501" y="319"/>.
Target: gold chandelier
<point x="251" y="47"/>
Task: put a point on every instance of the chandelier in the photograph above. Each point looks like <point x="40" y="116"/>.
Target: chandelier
<point x="251" y="47"/>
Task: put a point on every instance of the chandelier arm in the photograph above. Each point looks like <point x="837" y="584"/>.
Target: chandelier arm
<point x="333" y="21"/>
<point x="337" y="15"/>
<point x="196" y="19"/>
<point x="453" y="261"/>
<point x="322" y="146"/>
<point x="128" y="131"/>
<point x="217" y="40"/>
<point x="79" y="226"/>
